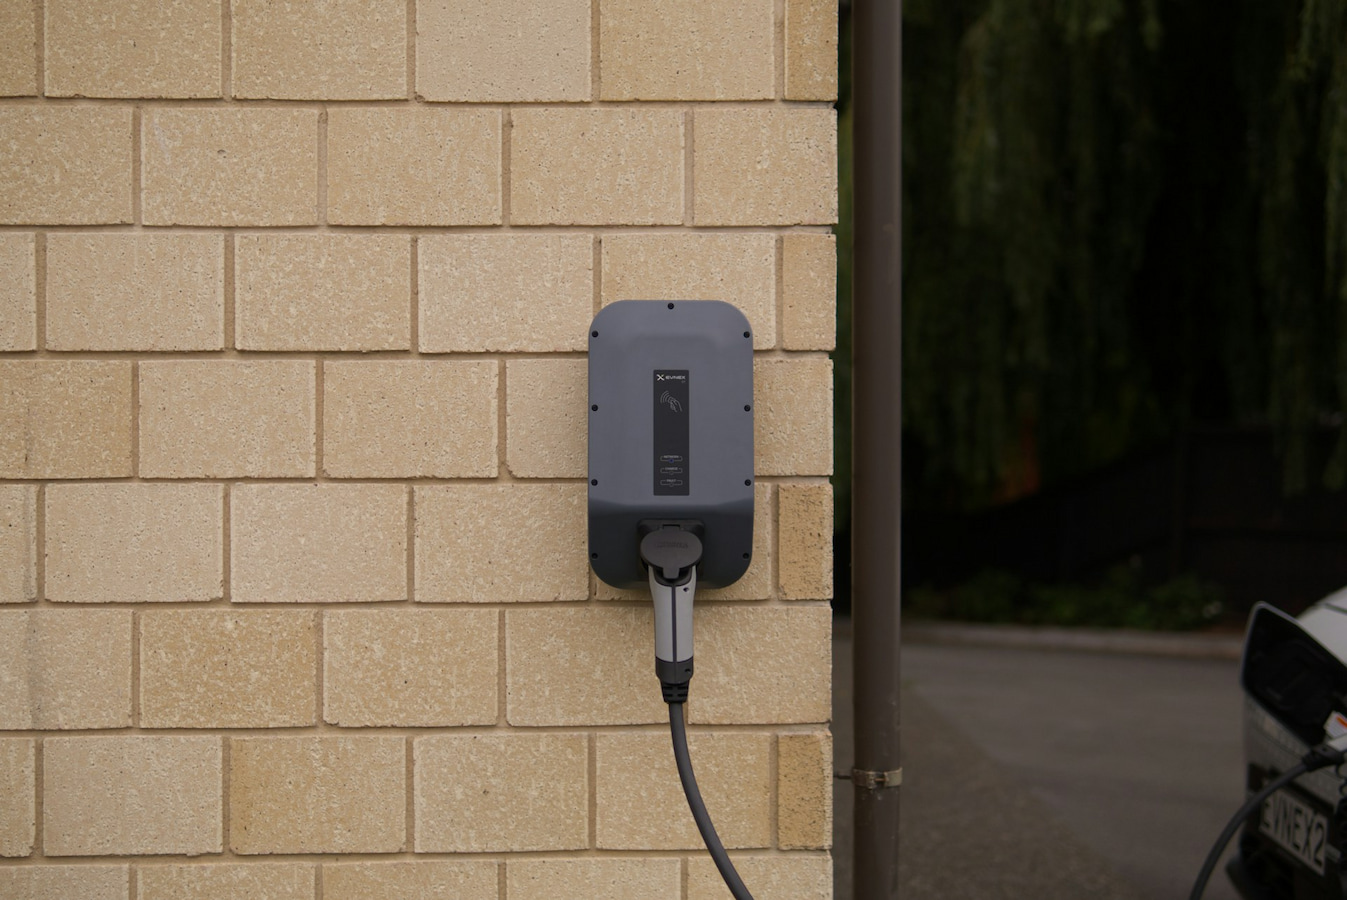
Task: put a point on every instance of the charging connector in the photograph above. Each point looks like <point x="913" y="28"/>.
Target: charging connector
<point x="670" y="552"/>
<point x="1329" y="753"/>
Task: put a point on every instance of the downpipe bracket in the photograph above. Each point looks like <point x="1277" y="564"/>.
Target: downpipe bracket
<point x="872" y="780"/>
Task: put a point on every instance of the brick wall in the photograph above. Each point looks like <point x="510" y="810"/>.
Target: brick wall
<point x="293" y="310"/>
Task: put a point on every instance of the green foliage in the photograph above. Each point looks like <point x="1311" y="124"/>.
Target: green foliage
<point x="1017" y="293"/>
<point x="1119" y="215"/>
<point x="1119" y="600"/>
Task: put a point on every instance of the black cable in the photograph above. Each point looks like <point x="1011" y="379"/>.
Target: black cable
<point x="680" y="745"/>
<point x="1318" y="758"/>
<point x="1233" y="826"/>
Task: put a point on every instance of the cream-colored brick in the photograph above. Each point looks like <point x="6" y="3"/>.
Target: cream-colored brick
<point x="65" y="165"/>
<point x="323" y="291"/>
<point x="756" y="583"/>
<point x="804" y="778"/>
<point x="230" y="166"/>
<point x="135" y="543"/>
<point x="63" y="669"/>
<point x="501" y="543"/>
<point x="255" y="881"/>
<point x="420" y="880"/>
<point x="225" y="419"/>
<point x="504" y="51"/>
<point x="792" y="422"/>
<point x="18" y="796"/>
<point x="506" y="292"/>
<point x="116" y="48"/>
<point x="335" y="50"/>
<point x="593" y="879"/>
<point x="410" y="418"/>
<point x="410" y="667"/>
<point x="62" y="419"/>
<point x="131" y="795"/>
<point x="811" y="49"/>
<point x="686" y="49"/>
<point x="806" y="541"/>
<point x="414" y="166"/>
<point x="737" y="268"/>
<point x="18" y="289"/>
<point x="318" y="543"/>
<point x="471" y="798"/>
<point x="545" y="418"/>
<point x="228" y="668"/>
<point x="641" y="805"/>
<point x="65" y="882"/>
<point x="18" y="48"/>
<point x="18" y="543"/>
<point x="613" y="646"/>
<point x="809" y="291"/>
<point x="317" y="795"/>
<point x="596" y="167"/>
<point x="762" y="664"/>
<point x="784" y="877"/>
<point x="135" y="292"/>
<point x="765" y="167"/>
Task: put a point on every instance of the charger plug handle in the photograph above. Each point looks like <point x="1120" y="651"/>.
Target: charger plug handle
<point x="671" y="553"/>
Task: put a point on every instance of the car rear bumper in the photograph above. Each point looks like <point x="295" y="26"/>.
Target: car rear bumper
<point x="1248" y="888"/>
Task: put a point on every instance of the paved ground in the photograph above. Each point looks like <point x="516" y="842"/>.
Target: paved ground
<point x="1031" y="773"/>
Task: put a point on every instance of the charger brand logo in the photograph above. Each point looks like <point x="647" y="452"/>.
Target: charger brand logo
<point x="666" y="376"/>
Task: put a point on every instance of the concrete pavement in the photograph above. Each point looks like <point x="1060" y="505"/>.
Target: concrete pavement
<point x="1054" y="775"/>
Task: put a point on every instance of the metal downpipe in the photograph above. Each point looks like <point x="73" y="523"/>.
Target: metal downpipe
<point x="876" y="446"/>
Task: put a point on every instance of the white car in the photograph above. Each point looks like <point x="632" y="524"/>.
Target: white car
<point x="1294" y="676"/>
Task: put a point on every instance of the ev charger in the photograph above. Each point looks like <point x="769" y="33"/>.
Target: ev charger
<point x="671" y="480"/>
<point x="670" y="434"/>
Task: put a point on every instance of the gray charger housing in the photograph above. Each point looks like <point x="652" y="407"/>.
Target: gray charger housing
<point x="670" y="435"/>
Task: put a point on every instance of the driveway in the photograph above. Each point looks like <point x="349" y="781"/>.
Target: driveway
<point x="1031" y="773"/>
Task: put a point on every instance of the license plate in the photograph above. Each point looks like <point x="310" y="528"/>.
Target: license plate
<point x="1296" y="828"/>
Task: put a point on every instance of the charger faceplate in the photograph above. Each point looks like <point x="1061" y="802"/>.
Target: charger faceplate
<point x="670" y="434"/>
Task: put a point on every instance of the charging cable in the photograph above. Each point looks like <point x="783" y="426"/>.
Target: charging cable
<point x="671" y="553"/>
<point x="1329" y="753"/>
